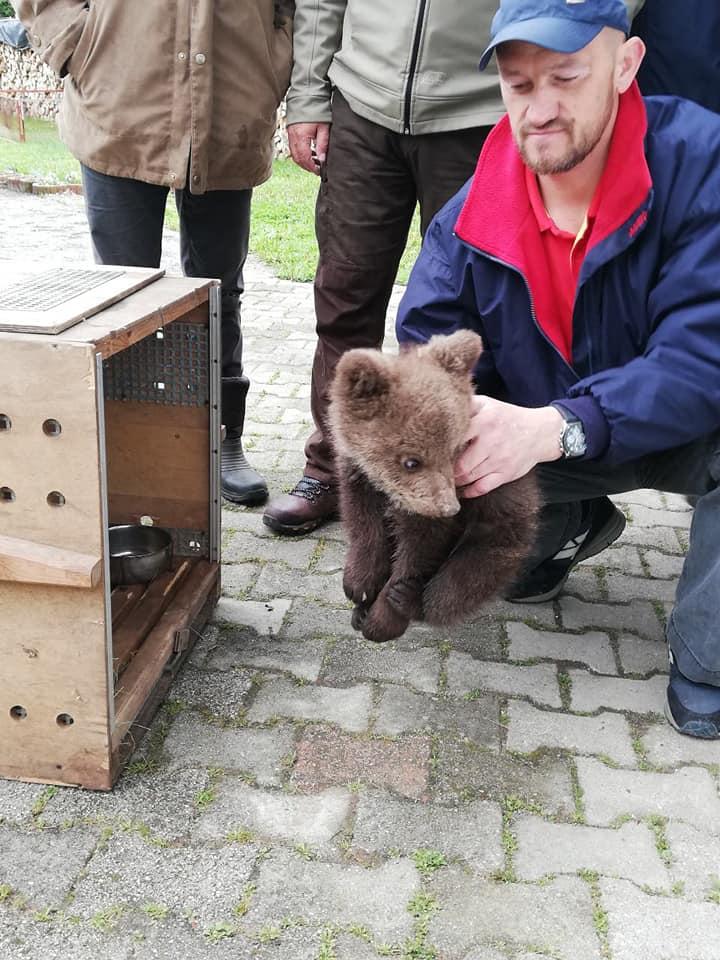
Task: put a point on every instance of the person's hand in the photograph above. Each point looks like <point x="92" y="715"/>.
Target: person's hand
<point x="505" y="442"/>
<point x="308" y="144"/>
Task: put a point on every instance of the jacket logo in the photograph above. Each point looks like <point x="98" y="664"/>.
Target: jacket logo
<point x="639" y="222"/>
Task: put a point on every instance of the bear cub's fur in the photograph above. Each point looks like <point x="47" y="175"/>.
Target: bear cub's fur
<point x="415" y="550"/>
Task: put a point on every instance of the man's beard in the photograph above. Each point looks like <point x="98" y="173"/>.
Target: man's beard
<point x="576" y="152"/>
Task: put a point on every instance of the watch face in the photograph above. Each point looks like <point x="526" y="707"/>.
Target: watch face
<point x="574" y="440"/>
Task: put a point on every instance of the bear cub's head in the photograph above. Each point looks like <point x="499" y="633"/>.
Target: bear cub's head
<point x="404" y="419"/>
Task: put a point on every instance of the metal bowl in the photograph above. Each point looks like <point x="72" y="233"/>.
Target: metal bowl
<point x="138" y="553"/>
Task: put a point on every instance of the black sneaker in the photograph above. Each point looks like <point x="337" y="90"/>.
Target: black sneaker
<point x="601" y="526"/>
<point x="692" y="708"/>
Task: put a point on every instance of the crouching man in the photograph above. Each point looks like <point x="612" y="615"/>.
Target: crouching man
<point x="586" y="252"/>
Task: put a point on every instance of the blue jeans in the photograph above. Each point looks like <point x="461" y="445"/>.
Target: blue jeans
<point x="693" y="631"/>
<point x="126" y="224"/>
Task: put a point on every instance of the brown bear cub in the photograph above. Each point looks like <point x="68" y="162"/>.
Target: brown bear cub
<point x="416" y="551"/>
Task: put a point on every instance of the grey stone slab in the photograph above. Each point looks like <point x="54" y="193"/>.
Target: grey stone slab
<point x="676" y="501"/>
<point x="470" y="832"/>
<point x="248" y="521"/>
<point x="663" y="538"/>
<point x="622" y="589"/>
<point x="293" y="817"/>
<point x="347" y="707"/>
<point x="193" y="743"/>
<point x="638" y="616"/>
<point x="463" y="771"/>
<point x="264" y="616"/>
<point x="22" y="937"/>
<point x="329" y="556"/>
<point x="586" y="584"/>
<point x="276" y="580"/>
<point x="644" y="497"/>
<point x="649" y="517"/>
<point x="175" y="937"/>
<point x="689" y="795"/>
<point x="590" y="693"/>
<point x="218" y="692"/>
<point x="607" y="734"/>
<point x="131" y="873"/>
<point x="624" y="558"/>
<point x="663" y="564"/>
<point x="302" y="658"/>
<point x="695" y="860"/>
<point x="539" y="614"/>
<point x="642" y="656"/>
<point x="642" y="927"/>
<point x="293" y="552"/>
<point x="351" y="948"/>
<point x="238" y="578"/>
<point x="555" y="848"/>
<point x="319" y="892"/>
<point x="556" y="918"/>
<point x="403" y="711"/>
<point x="400" y="661"/>
<point x="17" y="800"/>
<point x="309" y="619"/>
<point x="592" y="648"/>
<point x="667" y="748"/>
<point x="465" y="674"/>
<point x="482" y="637"/>
<point x="43" y="865"/>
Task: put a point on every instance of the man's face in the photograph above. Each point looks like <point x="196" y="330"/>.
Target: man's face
<point x="559" y="104"/>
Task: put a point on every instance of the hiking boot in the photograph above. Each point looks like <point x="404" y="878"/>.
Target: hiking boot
<point x="240" y="483"/>
<point x="309" y="505"/>
<point x="692" y="708"/>
<point x="601" y="525"/>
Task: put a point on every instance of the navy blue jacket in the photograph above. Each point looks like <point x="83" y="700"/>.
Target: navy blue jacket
<point x="645" y="371"/>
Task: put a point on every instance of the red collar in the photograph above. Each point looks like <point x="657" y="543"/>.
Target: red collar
<point x="497" y="216"/>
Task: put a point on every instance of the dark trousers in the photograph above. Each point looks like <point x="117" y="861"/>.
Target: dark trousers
<point x="371" y="182"/>
<point x="126" y="224"/>
<point x="694" y="627"/>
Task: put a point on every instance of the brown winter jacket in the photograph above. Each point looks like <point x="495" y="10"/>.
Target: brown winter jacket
<point x="162" y="91"/>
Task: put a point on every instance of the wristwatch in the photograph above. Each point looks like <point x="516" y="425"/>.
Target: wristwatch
<point x="572" y="436"/>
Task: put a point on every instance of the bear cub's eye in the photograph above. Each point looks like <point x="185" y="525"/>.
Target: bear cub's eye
<point x="410" y="464"/>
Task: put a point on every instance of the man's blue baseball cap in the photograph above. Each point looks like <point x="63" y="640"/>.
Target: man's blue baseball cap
<point x="562" y="25"/>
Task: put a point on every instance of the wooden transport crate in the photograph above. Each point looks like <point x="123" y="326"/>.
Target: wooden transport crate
<point x="113" y="420"/>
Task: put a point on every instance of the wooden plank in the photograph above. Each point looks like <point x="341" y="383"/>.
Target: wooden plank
<point x="123" y="600"/>
<point x="142" y="675"/>
<point x="28" y="562"/>
<point x="146" y="613"/>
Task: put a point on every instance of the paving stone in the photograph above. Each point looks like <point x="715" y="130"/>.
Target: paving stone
<point x="221" y="694"/>
<point x="241" y="547"/>
<point x="621" y="589"/>
<point x="593" y="649"/>
<point x="557" y="917"/>
<point x="463" y="770"/>
<point x="465" y="674"/>
<point x="645" y="497"/>
<point x="325" y="759"/>
<point x="649" y="517"/>
<point x="399" y="661"/>
<point x="539" y="614"/>
<point x="585" y="584"/>
<point x="132" y="873"/>
<point x="329" y="556"/>
<point x="470" y="832"/>
<point x="302" y="658"/>
<point x="351" y="948"/>
<point x="344" y="894"/>
<point x="642" y="656"/>
<point x="590" y="693"/>
<point x="313" y="819"/>
<point x="638" y="616"/>
<point x="663" y="564"/>
<point x="695" y="860"/>
<point x="607" y="734"/>
<point x="624" y="559"/>
<point x="17" y="800"/>
<point x="265" y="617"/>
<point x="348" y="707"/>
<point x="403" y="711"/>
<point x="275" y="579"/>
<point x="176" y="937"/>
<point x="309" y="619"/>
<point x="259" y="752"/>
<point x="642" y="927"/>
<point x="551" y="848"/>
<point x="42" y="866"/>
<point x="238" y="578"/>
<point x="689" y="795"/>
<point x="676" y="501"/>
<point x="23" y="937"/>
<point x="482" y="637"/>
<point x="249" y="521"/>
<point x="663" y="538"/>
<point x="666" y="748"/>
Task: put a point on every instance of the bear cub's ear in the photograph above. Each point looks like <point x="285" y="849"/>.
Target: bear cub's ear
<point x="362" y="382"/>
<point x="457" y="353"/>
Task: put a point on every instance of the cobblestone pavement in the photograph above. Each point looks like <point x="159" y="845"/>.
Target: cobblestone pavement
<point x="505" y="791"/>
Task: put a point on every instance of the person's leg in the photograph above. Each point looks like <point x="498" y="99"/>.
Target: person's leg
<point x="125" y="218"/>
<point x="214" y="237"/>
<point x="363" y="214"/>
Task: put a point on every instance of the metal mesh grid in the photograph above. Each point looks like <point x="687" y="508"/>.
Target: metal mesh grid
<point x="47" y="290"/>
<point x="168" y="367"/>
<point x="189" y="543"/>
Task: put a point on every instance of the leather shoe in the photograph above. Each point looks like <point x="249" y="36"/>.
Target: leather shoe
<point x="309" y="505"/>
<point x="240" y="483"/>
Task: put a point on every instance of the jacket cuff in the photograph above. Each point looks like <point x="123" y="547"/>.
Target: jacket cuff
<point x="54" y="36"/>
<point x="308" y="108"/>
<point x="597" y="430"/>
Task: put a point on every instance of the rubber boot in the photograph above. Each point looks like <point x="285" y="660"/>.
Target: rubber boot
<point x="240" y="482"/>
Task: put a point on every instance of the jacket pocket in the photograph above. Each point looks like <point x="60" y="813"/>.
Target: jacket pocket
<point x="83" y="48"/>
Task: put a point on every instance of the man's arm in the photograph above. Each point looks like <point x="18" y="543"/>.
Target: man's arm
<point x="317" y="36"/>
<point x="54" y="28"/>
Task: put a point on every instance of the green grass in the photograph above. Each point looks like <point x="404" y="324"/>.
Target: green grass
<point x="283" y="211"/>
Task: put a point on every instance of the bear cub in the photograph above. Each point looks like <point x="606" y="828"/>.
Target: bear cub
<point x="415" y="550"/>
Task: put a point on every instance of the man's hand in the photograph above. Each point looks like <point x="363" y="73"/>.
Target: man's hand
<point x="308" y="144"/>
<point x="505" y="442"/>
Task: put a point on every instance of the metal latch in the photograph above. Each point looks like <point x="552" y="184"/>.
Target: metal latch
<point x="181" y="642"/>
